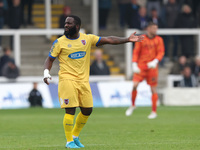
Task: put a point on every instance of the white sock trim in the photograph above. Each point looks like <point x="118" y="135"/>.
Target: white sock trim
<point x="69" y="142"/>
<point x="75" y="137"/>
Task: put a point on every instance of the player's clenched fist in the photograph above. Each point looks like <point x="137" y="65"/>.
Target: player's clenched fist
<point x="135" y="68"/>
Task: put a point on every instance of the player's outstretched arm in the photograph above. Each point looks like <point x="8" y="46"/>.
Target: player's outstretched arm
<point x="120" y="40"/>
<point x="47" y="67"/>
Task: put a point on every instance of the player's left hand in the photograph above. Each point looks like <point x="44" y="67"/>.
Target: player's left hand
<point x="136" y="38"/>
<point x="46" y="76"/>
<point x="153" y="63"/>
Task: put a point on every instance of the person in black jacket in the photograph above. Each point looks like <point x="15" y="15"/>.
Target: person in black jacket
<point x="29" y="4"/>
<point x="99" y="66"/>
<point x="15" y="11"/>
<point x="186" y="20"/>
<point x="132" y="14"/>
<point x="35" y="97"/>
<point x="15" y="17"/>
<point x="171" y="11"/>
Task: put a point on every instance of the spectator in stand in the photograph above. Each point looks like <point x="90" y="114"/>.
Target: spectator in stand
<point x="156" y="19"/>
<point x="171" y="13"/>
<point x="186" y="20"/>
<point x="189" y="79"/>
<point x="178" y="67"/>
<point x="104" y="9"/>
<point x="7" y="65"/>
<point x="99" y="66"/>
<point x="196" y="67"/>
<point x="123" y="5"/>
<point x="153" y="4"/>
<point x="15" y="12"/>
<point x="29" y="4"/>
<point x="132" y="16"/>
<point x="171" y="10"/>
<point x="143" y="19"/>
<point x="66" y="12"/>
<point x="5" y="58"/>
<point x="15" y="19"/>
<point x="35" y="97"/>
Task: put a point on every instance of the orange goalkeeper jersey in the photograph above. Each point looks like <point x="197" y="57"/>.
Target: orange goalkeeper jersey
<point x="148" y="50"/>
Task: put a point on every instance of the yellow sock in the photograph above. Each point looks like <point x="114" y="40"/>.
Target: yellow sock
<point x="68" y="126"/>
<point x="80" y="122"/>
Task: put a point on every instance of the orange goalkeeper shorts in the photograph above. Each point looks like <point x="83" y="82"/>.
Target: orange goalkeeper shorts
<point x="150" y="75"/>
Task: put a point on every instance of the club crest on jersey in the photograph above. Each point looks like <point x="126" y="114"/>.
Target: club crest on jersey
<point x="69" y="45"/>
<point x="66" y="101"/>
<point x="77" y="55"/>
<point x="83" y="42"/>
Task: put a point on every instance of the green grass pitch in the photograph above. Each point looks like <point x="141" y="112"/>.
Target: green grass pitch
<point x="176" y="128"/>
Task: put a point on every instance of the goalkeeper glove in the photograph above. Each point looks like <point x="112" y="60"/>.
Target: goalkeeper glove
<point x="135" y="67"/>
<point x="153" y="63"/>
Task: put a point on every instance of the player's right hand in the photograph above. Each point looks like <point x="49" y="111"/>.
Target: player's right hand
<point x="135" y="68"/>
<point x="46" y="76"/>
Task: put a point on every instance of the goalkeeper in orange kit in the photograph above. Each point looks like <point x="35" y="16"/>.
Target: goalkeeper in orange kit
<point x="146" y="56"/>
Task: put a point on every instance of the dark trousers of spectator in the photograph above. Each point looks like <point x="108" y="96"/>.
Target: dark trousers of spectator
<point x="103" y="17"/>
<point x="187" y="45"/>
<point x="29" y="4"/>
<point x="175" y="45"/>
<point x="11" y="42"/>
<point x="122" y="14"/>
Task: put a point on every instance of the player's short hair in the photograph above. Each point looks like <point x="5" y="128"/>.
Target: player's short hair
<point x="151" y="24"/>
<point x="76" y="19"/>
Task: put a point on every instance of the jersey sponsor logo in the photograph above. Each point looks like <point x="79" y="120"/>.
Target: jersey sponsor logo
<point x="77" y="55"/>
<point x="66" y="101"/>
<point x="83" y="42"/>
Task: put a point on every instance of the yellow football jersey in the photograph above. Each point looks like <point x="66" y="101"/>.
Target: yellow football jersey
<point x="74" y="56"/>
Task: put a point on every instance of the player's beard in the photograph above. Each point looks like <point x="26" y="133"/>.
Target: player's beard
<point x="70" y="32"/>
